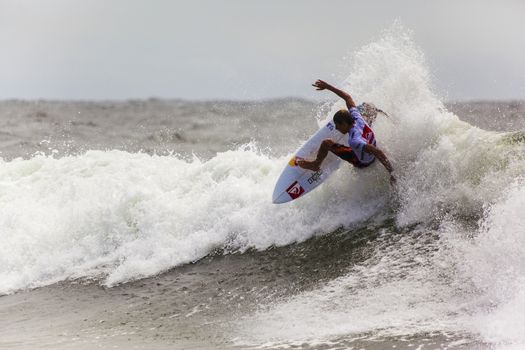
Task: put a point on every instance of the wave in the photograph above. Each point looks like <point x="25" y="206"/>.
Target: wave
<point x="116" y="216"/>
<point x="453" y="265"/>
<point x="122" y="216"/>
<point x="461" y="283"/>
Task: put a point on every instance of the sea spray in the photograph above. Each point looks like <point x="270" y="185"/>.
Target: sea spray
<point x="452" y="266"/>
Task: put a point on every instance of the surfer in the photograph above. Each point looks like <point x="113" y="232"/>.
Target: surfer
<point x="363" y="150"/>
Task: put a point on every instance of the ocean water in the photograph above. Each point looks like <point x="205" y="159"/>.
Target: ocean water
<point x="148" y="224"/>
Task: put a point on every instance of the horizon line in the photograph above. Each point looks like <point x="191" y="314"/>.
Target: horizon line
<point x="227" y="100"/>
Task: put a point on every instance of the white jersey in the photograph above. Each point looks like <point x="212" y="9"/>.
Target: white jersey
<point x="360" y="135"/>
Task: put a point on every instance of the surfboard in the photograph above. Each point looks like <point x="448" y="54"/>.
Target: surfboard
<point x="295" y="182"/>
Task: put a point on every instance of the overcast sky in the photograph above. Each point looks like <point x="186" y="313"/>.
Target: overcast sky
<point x="242" y="49"/>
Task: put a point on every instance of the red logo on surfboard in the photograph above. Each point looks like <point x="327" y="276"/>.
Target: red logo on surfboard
<point x="295" y="190"/>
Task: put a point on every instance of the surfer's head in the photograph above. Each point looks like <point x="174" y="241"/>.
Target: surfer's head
<point x="343" y="121"/>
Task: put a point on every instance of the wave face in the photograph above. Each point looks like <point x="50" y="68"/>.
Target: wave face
<point x="452" y="263"/>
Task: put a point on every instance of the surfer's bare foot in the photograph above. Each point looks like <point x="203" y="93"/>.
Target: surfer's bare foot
<point x="314" y="166"/>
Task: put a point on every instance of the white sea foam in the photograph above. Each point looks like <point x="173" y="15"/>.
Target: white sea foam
<point x="495" y="262"/>
<point x="431" y="280"/>
<point x="124" y="216"/>
<point x="457" y="283"/>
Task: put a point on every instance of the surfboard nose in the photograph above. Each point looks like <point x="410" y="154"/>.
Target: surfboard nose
<point x="278" y="197"/>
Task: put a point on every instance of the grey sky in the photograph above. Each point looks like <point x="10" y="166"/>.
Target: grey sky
<point x="242" y="49"/>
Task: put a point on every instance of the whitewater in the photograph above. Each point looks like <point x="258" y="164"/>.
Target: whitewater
<point x="443" y="260"/>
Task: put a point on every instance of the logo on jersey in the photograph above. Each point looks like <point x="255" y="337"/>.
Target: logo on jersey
<point x="368" y="134"/>
<point x="315" y="177"/>
<point x="295" y="190"/>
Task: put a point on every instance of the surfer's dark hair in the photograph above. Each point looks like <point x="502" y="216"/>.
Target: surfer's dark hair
<point x="343" y="116"/>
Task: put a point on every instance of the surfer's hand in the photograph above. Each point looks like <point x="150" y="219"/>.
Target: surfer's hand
<point x="320" y="85"/>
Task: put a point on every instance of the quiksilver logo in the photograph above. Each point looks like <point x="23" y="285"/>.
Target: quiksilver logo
<point x="295" y="190"/>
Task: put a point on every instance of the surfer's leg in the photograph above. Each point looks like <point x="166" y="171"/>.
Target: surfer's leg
<point x="346" y="153"/>
<point x="321" y="155"/>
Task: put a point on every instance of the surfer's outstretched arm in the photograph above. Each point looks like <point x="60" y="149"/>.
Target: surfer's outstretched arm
<point x="380" y="155"/>
<point x="322" y="85"/>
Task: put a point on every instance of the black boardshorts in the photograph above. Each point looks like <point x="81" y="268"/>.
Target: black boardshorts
<point x="346" y="153"/>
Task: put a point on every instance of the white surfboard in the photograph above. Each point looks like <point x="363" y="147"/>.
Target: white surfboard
<point x="295" y="181"/>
